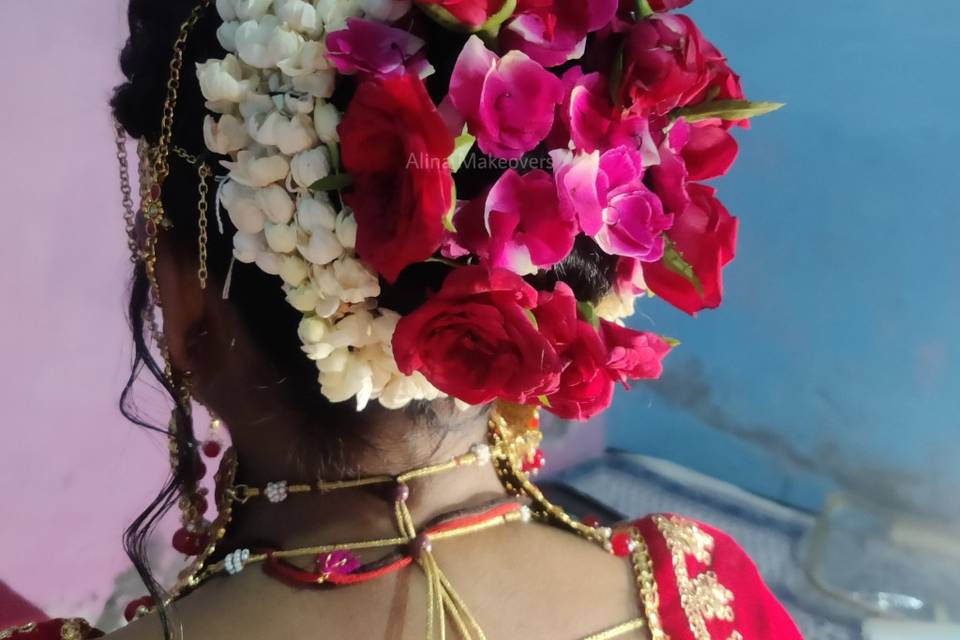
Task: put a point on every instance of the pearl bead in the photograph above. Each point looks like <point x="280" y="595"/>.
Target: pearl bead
<point x="482" y="453"/>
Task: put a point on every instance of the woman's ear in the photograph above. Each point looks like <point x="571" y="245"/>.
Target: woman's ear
<point x="182" y="303"/>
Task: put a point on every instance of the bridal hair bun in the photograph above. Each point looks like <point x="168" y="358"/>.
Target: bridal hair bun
<point x="544" y="161"/>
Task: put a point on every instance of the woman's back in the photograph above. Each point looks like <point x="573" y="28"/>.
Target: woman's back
<point x="525" y="581"/>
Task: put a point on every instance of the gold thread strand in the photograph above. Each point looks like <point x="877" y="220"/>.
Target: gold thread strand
<point x="617" y="631"/>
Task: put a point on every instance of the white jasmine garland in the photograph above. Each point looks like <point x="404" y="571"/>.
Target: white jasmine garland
<point x="308" y="167"/>
<point x="242" y="208"/>
<point x="258" y="168"/>
<point x="275" y="125"/>
<point x="226" y="135"/>
<point x="275" y="203"/>
<point x="227" y="35"/>
<point x="264" y="43"/>
<point x="326" y="119"/>
<point x="225" y="81"/>
<point x="281" y="238"/>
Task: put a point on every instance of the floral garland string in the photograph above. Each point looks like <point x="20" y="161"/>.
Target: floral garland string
<point x="334" y="203"/>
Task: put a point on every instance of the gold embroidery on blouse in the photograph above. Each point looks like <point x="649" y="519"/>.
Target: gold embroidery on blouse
<point x="72" y="630"/>
<point x="643" y="570"/>
<point x="702" y="597"/>
<point x="735" y="636"/>
<point x="9" y="633"/>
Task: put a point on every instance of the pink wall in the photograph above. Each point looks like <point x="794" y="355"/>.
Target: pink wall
<point x="72" y="471"/>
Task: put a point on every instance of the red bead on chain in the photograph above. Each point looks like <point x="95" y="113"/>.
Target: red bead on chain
<point x="533" y="464"/>
<point x="137" y="608"/>
<point x="211" y="448"/>
<point x="189" y="543"/>
<point x="621" y="544"/>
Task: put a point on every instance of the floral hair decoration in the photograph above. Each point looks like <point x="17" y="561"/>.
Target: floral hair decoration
<point x="629" y="102"/>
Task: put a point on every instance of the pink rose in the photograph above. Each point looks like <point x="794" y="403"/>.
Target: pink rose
<point x="705" y="235"/>
<point x="508" y="103"/>
<point x="586" y="386"/>
<point x="589" y="119"/>
<point x="633" y="355"/>
<point x="555" y="31"/>
<point x="614" y="207"/>
<point x="518" y="225"/>
<point x="628" y="278"/>
<point x="695" y="152"/>
<point x="372" y="48"/>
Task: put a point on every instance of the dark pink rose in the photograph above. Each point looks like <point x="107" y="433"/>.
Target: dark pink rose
<point x="369" y="47"/>
<point x="614" y="207"/>
<point x="633" y="355"/>
<point x="555" y="31"/>
<point x="518" y="225"/>
<point x="669" y="177"/>
<point x="508" y="103"/>
<point x="705" y="235"/>
<point x="628" y="278"/>
<point x="586" y="386"/>
<point x="476" y="339"/>
<point x="589" y="119"/>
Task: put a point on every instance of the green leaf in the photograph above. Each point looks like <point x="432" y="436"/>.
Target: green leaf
<point x="673" y="342"/>
<point x="728" y="110"/>
<point x="491" y="28"/>
<point x="616" y="74"/>
<point x="333" y="182"/>
<point x="448" y="217"/>
<point x="643" y="9"/>
<point x="488" y="29"/>
<point x="462" y="145"/>
<point x="334" y="150"/>
<point x="532" y="318"/>
<point x="589" y="313"/>
<point x="545" y="401"/>
<point x="673" y="260"/>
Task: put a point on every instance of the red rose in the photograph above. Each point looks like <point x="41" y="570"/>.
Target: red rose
<point x="476" y="340"/>
<point x="633" y="355"/>
<point x="668" y="64"/>
<point x="395" y="146"/>
<point x="470" y="13"/>
<point x="586" y="387"/>
<point x="710" y="152"/>
<point x="705" y="235"/>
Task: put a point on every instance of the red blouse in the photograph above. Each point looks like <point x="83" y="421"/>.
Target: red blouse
<point x="694" y="583"/>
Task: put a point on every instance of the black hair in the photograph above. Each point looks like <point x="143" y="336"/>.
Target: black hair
<point x="259" y="300"/>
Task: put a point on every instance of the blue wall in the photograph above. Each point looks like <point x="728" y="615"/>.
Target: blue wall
<point x="834" y="360"/>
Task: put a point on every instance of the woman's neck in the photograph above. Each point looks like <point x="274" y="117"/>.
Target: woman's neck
<point x="357" y="514"/>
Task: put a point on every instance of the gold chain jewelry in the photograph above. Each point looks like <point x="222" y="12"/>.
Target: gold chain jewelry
<point x="129" y="209"/>
<point x="160" y="166"/>
<point x="479" y="454"/>
<point x="509" y="433"/>
<point x="204" y="173"/>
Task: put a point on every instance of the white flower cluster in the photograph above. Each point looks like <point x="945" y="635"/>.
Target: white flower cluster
<point x="274" y="121"/>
